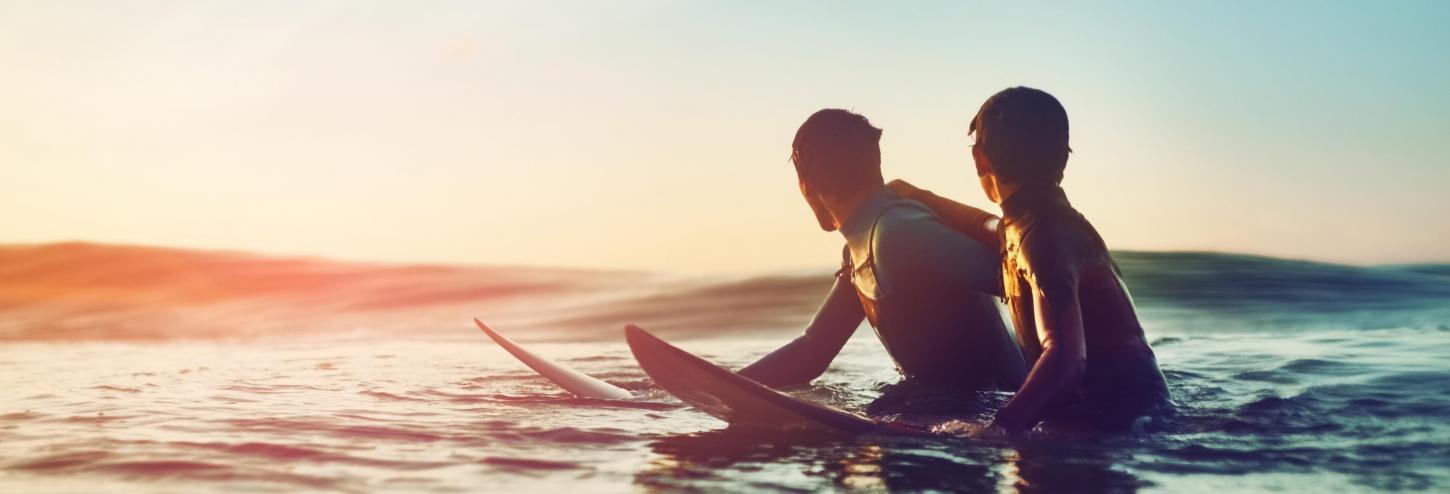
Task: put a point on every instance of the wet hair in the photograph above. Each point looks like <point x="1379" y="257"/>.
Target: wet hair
<point x="1024" y="131"/>
<point x="836" y="149"/>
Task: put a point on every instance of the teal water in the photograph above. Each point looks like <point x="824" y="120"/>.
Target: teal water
<point x="1288" y="376"/>
<point x="1332" y="410"/>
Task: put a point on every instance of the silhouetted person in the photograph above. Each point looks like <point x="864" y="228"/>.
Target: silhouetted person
<point x="1091" y="365"/>
<point x="925" y="287"/>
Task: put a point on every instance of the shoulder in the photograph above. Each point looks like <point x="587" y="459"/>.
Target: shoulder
<point x="906" y="225"/>
<point x="1051" y="236"/>
<point x="904" y="216"/>
<point x="910" y="238"/>
<point x="1056" y="247"/>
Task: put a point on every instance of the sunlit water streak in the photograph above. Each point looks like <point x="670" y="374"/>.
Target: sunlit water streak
<point x="1320" y="410"/>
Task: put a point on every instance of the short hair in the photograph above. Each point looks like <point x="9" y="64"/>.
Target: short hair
<point x="835" y="149"/>
<point x="1024" y="131"/>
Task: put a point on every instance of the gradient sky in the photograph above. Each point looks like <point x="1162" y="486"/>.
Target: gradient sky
<point x="655" y="135"/>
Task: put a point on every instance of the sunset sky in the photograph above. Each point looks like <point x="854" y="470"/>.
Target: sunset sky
<point x="655" y="135"/>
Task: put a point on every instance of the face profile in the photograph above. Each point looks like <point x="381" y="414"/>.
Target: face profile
<point x="1019" y="137"/>
<point x="837" y="158"/>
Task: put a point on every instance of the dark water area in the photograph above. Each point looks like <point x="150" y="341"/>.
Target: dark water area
<point x="152" y="370"/>
<point x="1288" y="294"/>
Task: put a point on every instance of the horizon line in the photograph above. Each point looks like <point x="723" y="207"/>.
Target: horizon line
<point x="314" y="257"/>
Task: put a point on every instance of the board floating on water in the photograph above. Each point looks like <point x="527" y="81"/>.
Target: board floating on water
<point x="730" y="396"/>
<point x="571" y="380"/>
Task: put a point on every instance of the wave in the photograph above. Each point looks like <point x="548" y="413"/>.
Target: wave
<point x="84" y="291"/>
<point x="1218" y="291"/>
<point x="1235" y="281"/>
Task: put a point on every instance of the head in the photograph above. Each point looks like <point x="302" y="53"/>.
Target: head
<point x="837" y="156"/>
<point x="1020" y="140"/>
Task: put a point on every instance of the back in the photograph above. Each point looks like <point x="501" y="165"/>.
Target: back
<point x="1121" y="380"/>
<point x="1110" y="320"/>
<point x="926" y="289"/>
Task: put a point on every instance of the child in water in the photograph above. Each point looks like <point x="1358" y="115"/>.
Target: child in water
<point x="1091" y="366"/>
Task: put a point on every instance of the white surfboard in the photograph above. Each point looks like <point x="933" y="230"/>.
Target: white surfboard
<point x="573" y="381"/>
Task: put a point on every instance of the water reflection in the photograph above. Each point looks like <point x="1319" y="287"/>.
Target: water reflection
<point x="748" y="458"/>
<point x="1080" y="465"/>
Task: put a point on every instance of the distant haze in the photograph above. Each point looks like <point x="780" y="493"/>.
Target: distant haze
<point x="80" y="291"/>
<point x="655" y="135"/>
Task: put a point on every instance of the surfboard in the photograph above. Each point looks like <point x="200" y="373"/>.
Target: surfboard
<point x="731" y="397"/>
<point x="571" y="380"/>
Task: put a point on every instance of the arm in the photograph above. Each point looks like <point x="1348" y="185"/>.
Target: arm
<point x="1059" y="370"/>
<point x="806" y="358"/>
<point x="978" y="224"/>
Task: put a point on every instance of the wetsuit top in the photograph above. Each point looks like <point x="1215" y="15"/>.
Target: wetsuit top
<point x="1119" y="361"/>
<point x="926" y="289"/>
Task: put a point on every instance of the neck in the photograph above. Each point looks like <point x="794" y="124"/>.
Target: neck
<point x="1028" y="197"/>
<point x="1006" y="190"/>
<point x="842" y="206"/>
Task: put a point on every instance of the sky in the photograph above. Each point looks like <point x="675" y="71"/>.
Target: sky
<point x="655" y="135"/>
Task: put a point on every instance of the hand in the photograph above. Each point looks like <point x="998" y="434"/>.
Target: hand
<point x="991" y="432"/>
<point x="891" y="423"/>
<point x="998" y="430"/>
<point x="960" y="428"/>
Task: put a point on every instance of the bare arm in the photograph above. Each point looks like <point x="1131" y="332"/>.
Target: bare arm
<point x="806" y="358"/>
<point x="1059" y="370"/>
<point x="976" y="223"/>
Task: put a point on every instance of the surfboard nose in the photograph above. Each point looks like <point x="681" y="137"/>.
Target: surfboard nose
<point x="483" y="326"/>
<point x="635" y="334"/>
<point x="642" y="342"/>
<point x="649" y="349"/>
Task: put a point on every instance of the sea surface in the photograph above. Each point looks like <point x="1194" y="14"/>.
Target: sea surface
<point x="135" y="369"/>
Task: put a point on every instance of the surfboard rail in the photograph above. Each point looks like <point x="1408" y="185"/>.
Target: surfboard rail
<point x="573" y="381"/>
<point x="731" y="397"/>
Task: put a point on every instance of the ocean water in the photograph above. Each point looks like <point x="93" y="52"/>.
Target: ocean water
<point x="149" y="370"/>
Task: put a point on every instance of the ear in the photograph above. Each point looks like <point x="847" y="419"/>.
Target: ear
<point x="979" y="157"/>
